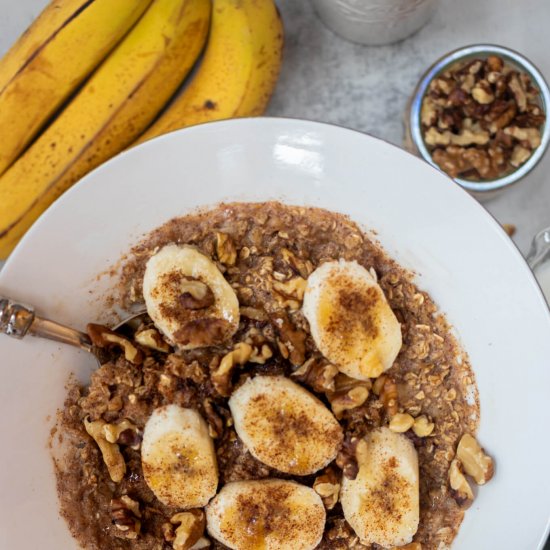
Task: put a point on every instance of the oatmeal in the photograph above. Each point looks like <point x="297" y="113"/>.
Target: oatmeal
<point x="423" y="396"/>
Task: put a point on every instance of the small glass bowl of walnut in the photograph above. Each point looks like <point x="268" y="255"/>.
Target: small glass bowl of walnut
<point x="479" y="114"/>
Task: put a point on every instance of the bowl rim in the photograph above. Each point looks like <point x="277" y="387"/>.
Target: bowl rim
<point x="462" y="53"/>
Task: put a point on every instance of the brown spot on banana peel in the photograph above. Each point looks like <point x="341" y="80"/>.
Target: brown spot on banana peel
<point x="88" y="144"/>
<point x="29" y="215"/>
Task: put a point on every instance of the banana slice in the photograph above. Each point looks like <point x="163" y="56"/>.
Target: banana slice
<point x="271" y="514"/>
<point x="382" y="503"/>
<point x="350" y="320"/>
<point x="178" y="457"/>
<point x="284" y="426"/>
<point x="188" y="298"/>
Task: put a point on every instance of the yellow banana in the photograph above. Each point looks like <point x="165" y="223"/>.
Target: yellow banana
<point x="45" y="25"/>
<point x="239" y="69"/>
<point x="119" y="100"/>
<point x="51" y="59"/>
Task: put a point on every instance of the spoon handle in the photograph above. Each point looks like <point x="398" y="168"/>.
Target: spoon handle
<point x="17" y="320"/>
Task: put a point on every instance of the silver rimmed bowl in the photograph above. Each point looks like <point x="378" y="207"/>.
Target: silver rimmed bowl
<point x="414" y="137"/>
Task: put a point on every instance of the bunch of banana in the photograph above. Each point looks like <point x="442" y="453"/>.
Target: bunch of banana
<point x="238" y="72"/>
<point x="53" y="139"/>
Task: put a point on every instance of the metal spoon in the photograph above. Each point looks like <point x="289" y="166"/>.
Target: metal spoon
<point x="18" y="320"/>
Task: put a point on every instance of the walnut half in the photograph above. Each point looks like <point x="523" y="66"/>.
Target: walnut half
<point x="110" y="451"/>
<point x="476" y="463"/>
<point x="461" y="490"/>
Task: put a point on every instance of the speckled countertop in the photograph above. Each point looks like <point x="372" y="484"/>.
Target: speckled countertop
<point x="366" y="88"/>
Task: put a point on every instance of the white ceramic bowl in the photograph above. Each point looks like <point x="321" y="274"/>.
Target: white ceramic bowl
<point x="427" y="223"/>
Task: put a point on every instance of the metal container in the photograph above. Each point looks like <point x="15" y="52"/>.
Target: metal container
<point x="375" y="22"/>
<point x="413" y="135"/>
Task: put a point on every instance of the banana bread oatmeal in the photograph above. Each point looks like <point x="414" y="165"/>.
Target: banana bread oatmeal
<point x="290" y="387"/>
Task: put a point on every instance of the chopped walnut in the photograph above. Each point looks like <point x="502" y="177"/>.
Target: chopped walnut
<point x="254" y="313"/>
<point x="450" y="160"/>
<point x="495" y="63"/>
<point x="519" y="92"/>
<point x="168" y="532"/>
<point x="530" y="136"/>
<point x="214" y="420"/>
<point x="470" y="137"/>
<point x="110" y="452"/>
<point x="261" y="354"/>
<point x="386" y="389"/>
<point x="290" y="293"/>
<point x="481" y="119"/>
<point x="225" y="249"/>
<point x="327" y="486"/>
<point x="433" y="137"/>
<point x="482" y="93"/>
<point x="317" y="373"/>
<point x="500" y="116"/>
<point x="124" y="433"/>
<point x="348" y="394"/>
<point x="297" y="265"/>
<point x="221" y="377"/>
<point x="103" y="337"/>
<point x="190" y="528"/>
<point x="422" y="427"/>
<point x="125" y="515"/>
<point x="519" y="155"/>
<point x="176" y="365"/>
<point x="346" y="459"/>
<point x="460" y="488"/>
<point x="401" y="422"/>
<point x="292" y="337"/>
<point x="151" y="338"/>
<point x="510" y="229"/>
<point x="476" y="463"/>
<point x="428" y="115"/>
<point x="478" y="159"/>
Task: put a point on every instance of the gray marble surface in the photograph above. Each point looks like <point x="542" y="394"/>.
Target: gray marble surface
<point x="328" y="79"/>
